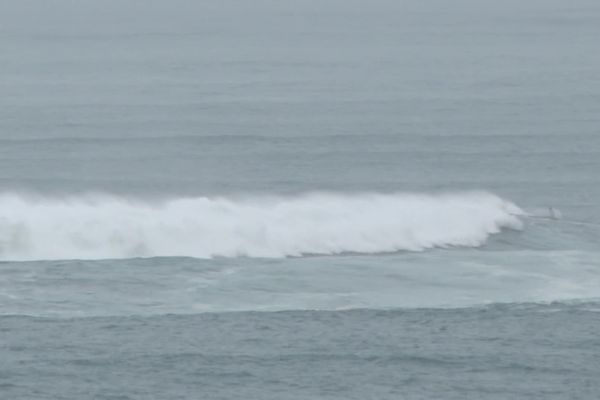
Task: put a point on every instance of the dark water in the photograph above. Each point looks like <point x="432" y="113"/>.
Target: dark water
<point x="497" y="352"/>
<point x="336" y="199"/>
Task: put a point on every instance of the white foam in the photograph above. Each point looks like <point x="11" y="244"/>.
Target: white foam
<point x="100" y="227"/>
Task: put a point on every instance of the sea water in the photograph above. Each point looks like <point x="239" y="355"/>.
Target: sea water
<point x="300" y="199"/>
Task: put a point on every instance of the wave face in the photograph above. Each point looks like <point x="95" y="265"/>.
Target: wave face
<point x="102" y="227"/>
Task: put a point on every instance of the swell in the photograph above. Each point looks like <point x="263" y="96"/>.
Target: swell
<point x="103" y="226"/>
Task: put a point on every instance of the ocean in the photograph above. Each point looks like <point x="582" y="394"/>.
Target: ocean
<point x="299" y="199"/>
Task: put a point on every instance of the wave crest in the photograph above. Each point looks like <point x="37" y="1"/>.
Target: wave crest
<point x="100" y="227"/>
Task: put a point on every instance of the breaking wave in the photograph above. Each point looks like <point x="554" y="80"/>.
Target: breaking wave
<point x="102" y="226"/>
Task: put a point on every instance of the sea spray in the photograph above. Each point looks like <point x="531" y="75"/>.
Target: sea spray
<point x="103" y="226"/>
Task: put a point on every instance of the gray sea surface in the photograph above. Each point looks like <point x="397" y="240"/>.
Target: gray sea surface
<point x="299" y="199"/>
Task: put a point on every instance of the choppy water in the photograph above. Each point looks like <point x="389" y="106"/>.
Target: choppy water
<point x="299" y="200"/>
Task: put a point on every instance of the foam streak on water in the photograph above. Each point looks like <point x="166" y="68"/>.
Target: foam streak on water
<point x="100" y="227"/>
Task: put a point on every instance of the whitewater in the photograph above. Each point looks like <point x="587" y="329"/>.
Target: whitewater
<point x="104" y="227"/>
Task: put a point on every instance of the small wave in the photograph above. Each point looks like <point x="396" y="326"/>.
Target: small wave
<point x="102" y="226"/>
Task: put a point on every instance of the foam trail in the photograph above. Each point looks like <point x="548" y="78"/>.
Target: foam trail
<point x="100" y="227"/>
<point x="552" y="214"/>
